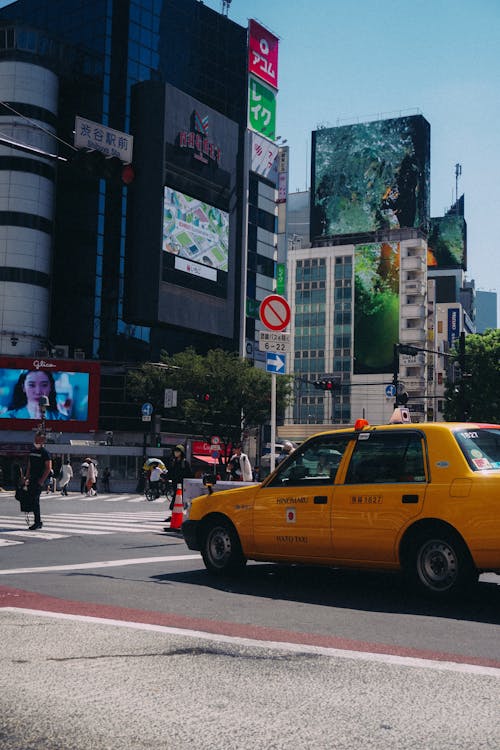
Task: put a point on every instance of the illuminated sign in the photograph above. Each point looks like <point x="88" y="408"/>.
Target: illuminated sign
<point x="196" y="232"/>
<point x="371" y="176"/>
<point x="261" y="108"/>
<point x="453" y="324"/>
<point x="263" y="53"/>
<point x="264" y="158"/>
<point x="196" y="139"/>
<point x="376" y="307"/>
<point x="71" y="387"/>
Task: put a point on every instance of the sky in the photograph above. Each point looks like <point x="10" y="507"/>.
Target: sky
<point x="344" y="61"/>
<point x="358" y="60"/>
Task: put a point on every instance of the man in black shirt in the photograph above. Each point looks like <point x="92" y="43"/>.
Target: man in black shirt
<point x="39" y="468"/>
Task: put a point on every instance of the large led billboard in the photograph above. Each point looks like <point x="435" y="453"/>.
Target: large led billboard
<point x="376" y="306"/>
<point x="446" y="244"/>
<point x="71" y="387"/>
<point x="371" y="176"/>
<point x="195" y="231"/>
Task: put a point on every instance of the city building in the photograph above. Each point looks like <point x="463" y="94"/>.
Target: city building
<point x="115" y="259"/>
<point x="486" y="310"/>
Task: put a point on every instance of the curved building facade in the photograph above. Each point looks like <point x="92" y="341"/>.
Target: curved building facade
<point x="28" y="115"/>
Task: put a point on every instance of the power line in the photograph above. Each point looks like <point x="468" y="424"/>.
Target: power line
<point x="37" y="125"/>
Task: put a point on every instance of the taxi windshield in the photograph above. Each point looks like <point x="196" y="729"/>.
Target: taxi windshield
<point x="481" y="447"/>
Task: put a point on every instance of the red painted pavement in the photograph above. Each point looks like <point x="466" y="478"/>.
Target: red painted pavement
<point x="12" y="597"/>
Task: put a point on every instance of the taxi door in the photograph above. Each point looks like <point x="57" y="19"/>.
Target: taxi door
<point x="383" y="489"/>
<point x="292" y="514"/>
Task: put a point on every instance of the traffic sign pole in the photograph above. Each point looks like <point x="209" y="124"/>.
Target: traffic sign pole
<point x="273" y="420"/>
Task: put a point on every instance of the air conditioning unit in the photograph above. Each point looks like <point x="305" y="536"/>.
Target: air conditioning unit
<point x="79" y="354"/>
<point x="41" y="353"/>
<point x="61" y="351"/>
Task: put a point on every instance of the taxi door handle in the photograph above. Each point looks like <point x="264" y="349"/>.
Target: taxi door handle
<point x="320" y="500"/>
<point x="410" y="498"/>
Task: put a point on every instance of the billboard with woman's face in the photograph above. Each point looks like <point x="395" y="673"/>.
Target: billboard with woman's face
<point x="64" y="393"/>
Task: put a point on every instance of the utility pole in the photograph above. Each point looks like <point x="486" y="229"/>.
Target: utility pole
<point x="462" y="399"/>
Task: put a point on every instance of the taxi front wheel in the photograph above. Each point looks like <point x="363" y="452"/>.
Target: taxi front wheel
<point x="221" y="548"/>
<point x="441" y="564"/>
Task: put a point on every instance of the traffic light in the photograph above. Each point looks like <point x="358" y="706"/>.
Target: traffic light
<point x="410" y="350"/>
<point x="158" y="440"/>
<point x="328" y="384"/>
<point x="202" y="398"/>
<point x="95" y="163"/>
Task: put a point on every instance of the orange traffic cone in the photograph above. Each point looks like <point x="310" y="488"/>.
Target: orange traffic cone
<point x="178" y="509"/>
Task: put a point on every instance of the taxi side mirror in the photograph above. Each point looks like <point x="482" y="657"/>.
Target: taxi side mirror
<point x="209" y="479"/>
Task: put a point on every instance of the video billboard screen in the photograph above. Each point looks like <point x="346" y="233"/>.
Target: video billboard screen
<point x="376" y="306"/>
<point x="71" y="389"/>
<point x="371" y="176"/>
<point x="446" y="244"/>
<point x="195" y="231"/>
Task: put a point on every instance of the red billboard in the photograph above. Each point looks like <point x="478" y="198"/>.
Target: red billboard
<point x="71" y="388"/>
<point x="263" y="54"/>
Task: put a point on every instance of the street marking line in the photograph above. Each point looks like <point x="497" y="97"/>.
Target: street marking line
<point x="103" y="564"/>
<point x="38" y="535"/>
<point x="298" y="648"/>
<point x="8" y="542"/>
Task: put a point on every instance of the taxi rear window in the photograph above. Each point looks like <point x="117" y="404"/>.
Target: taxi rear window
<point x="481" y="447"/>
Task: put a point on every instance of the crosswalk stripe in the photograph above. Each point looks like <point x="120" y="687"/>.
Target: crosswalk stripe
<point x="8" y="542"/>
<point x="39" y="534"/>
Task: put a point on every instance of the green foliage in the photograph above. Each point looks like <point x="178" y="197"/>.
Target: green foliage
<point x="239" y="393"/>
<point x="478" y="393"/>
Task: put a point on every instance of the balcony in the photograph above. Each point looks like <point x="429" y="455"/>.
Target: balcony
<point x="413" y="263"/>
<point x="414" y="286"/>
<point x="413" y="311"/>
<point x="415" y="336"/>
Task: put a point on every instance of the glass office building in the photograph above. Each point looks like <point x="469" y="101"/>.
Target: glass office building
<point x="95" y="52"/>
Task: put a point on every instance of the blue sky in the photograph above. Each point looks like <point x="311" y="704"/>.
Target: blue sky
<point x="355" y="60"/>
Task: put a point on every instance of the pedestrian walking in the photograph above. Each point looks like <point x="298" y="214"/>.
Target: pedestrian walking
<point x="179" y="469"/>
<point x="65" y="477"/>
<point x="239" y="468"/>
<point x="37" y="472"/>
<point x="83" y="476"/>
<point x="91" y="478"/>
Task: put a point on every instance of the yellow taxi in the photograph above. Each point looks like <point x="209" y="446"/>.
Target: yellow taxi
<point x="424" y="498"/>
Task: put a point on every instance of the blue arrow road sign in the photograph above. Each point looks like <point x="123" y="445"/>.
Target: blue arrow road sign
<point x="275" y="363"/>
<point x="390" y="391"/>
<point x="147" y="409"/>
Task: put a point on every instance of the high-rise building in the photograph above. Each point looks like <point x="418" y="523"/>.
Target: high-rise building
<point x="486" y="310"/>
<point x="89" y="263"/>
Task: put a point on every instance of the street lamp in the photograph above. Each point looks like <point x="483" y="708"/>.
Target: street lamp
<point x="43" y="403"/>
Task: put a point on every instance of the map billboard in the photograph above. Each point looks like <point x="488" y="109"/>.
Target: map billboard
<point x="371" y="176"/>
<point x="376" y="306"/>
<point x="195" y="231"/>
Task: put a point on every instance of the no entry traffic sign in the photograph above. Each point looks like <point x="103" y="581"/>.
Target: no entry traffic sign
<point x="275" y="312"/>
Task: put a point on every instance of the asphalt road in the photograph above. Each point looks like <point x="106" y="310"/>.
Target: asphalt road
<point x="114" y="636"/>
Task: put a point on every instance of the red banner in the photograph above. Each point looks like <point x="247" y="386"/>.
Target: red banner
<point x="263" y="54"/>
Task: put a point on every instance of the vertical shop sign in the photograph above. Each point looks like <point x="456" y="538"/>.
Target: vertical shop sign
<point x="263" y="54"/>
<point x="262" y="109"/>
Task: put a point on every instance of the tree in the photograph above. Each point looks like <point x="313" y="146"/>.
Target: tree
<point x="239" y="394"/>
<point x="476" y="390"/>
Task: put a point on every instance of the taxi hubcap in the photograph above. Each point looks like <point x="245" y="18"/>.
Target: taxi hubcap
<point x="437" y="565"/>
<point x="219" y="546"/>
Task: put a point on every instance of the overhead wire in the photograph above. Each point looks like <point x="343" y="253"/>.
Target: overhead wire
<point x="37" y="126"/>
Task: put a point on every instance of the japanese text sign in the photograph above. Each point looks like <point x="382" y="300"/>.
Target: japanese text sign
<point x="263" y="54"/>
<point x="261" y="109"/>
<point x="93" y="135"/>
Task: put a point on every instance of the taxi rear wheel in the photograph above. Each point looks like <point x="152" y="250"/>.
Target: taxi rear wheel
<point x="221" y="548"/>
<point x="441" y="564"/>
